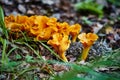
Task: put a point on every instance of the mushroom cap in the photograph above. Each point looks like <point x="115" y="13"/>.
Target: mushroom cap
<point x="87" y="39"/>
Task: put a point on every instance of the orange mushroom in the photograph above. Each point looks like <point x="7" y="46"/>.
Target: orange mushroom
<point x="60" y="43"/>
<point x="44" y="28"/>
<point x="87" y="40"/>
<point x="44" y="34"/>
<point x="15" y="27"/>
<point x="74" y="31"/>
<point x="52" y="23"/>
<point x="15" y="23"/>
<point x="63" y="28"/>
<point x="45" y="31"/>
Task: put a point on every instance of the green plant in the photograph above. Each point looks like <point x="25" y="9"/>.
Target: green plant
<point x="114" y="2"/>
<point x="4" y="59"/>
<point x="89" y="6"/>
<point x="86" y="21"/>
<point x="93" y="70"/>
<point x="2" y="24"/>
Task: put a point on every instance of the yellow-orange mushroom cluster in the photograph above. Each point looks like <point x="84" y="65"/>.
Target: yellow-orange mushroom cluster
<point x="44" y="28"/>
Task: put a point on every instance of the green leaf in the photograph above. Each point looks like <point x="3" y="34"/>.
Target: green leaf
<point x="1" y="14"/>
<point x="4" y="55"/>
<point x="89" y="7"/>
<point x="115" y="2"/>
<point x="2" y="24"/>
<point x="29" y="58"/>
<point x="86" y="21"/>
<point x="10" y="66"/>
<point x="18" y="56"/>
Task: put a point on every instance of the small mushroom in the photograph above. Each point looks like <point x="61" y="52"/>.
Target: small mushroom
<point x="87" y="40"/>
<point x="60" y="43"/>
<point x="74" y="31"/>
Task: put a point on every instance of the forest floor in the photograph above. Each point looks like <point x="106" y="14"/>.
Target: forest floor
<point x="34" y="60"/>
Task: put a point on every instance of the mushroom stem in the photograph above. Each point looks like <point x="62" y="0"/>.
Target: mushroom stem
<point x="74" y="38"/>
<point x="85" y="53"/>
<point x="62" y="55"/>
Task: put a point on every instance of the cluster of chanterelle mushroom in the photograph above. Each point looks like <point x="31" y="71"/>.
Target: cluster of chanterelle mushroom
<point x="55" y="33"/>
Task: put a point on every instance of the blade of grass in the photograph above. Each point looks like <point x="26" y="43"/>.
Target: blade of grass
<point x="51" y="50"/>
<point x="23" y="71"/>
<point x="11" y="50"/>
<point x="33" y="50"/>
<point x="1" y="14"/>
<point x="2" y="24"/>
<point x="4" y="55"/>
<point x="24" y="36"/>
